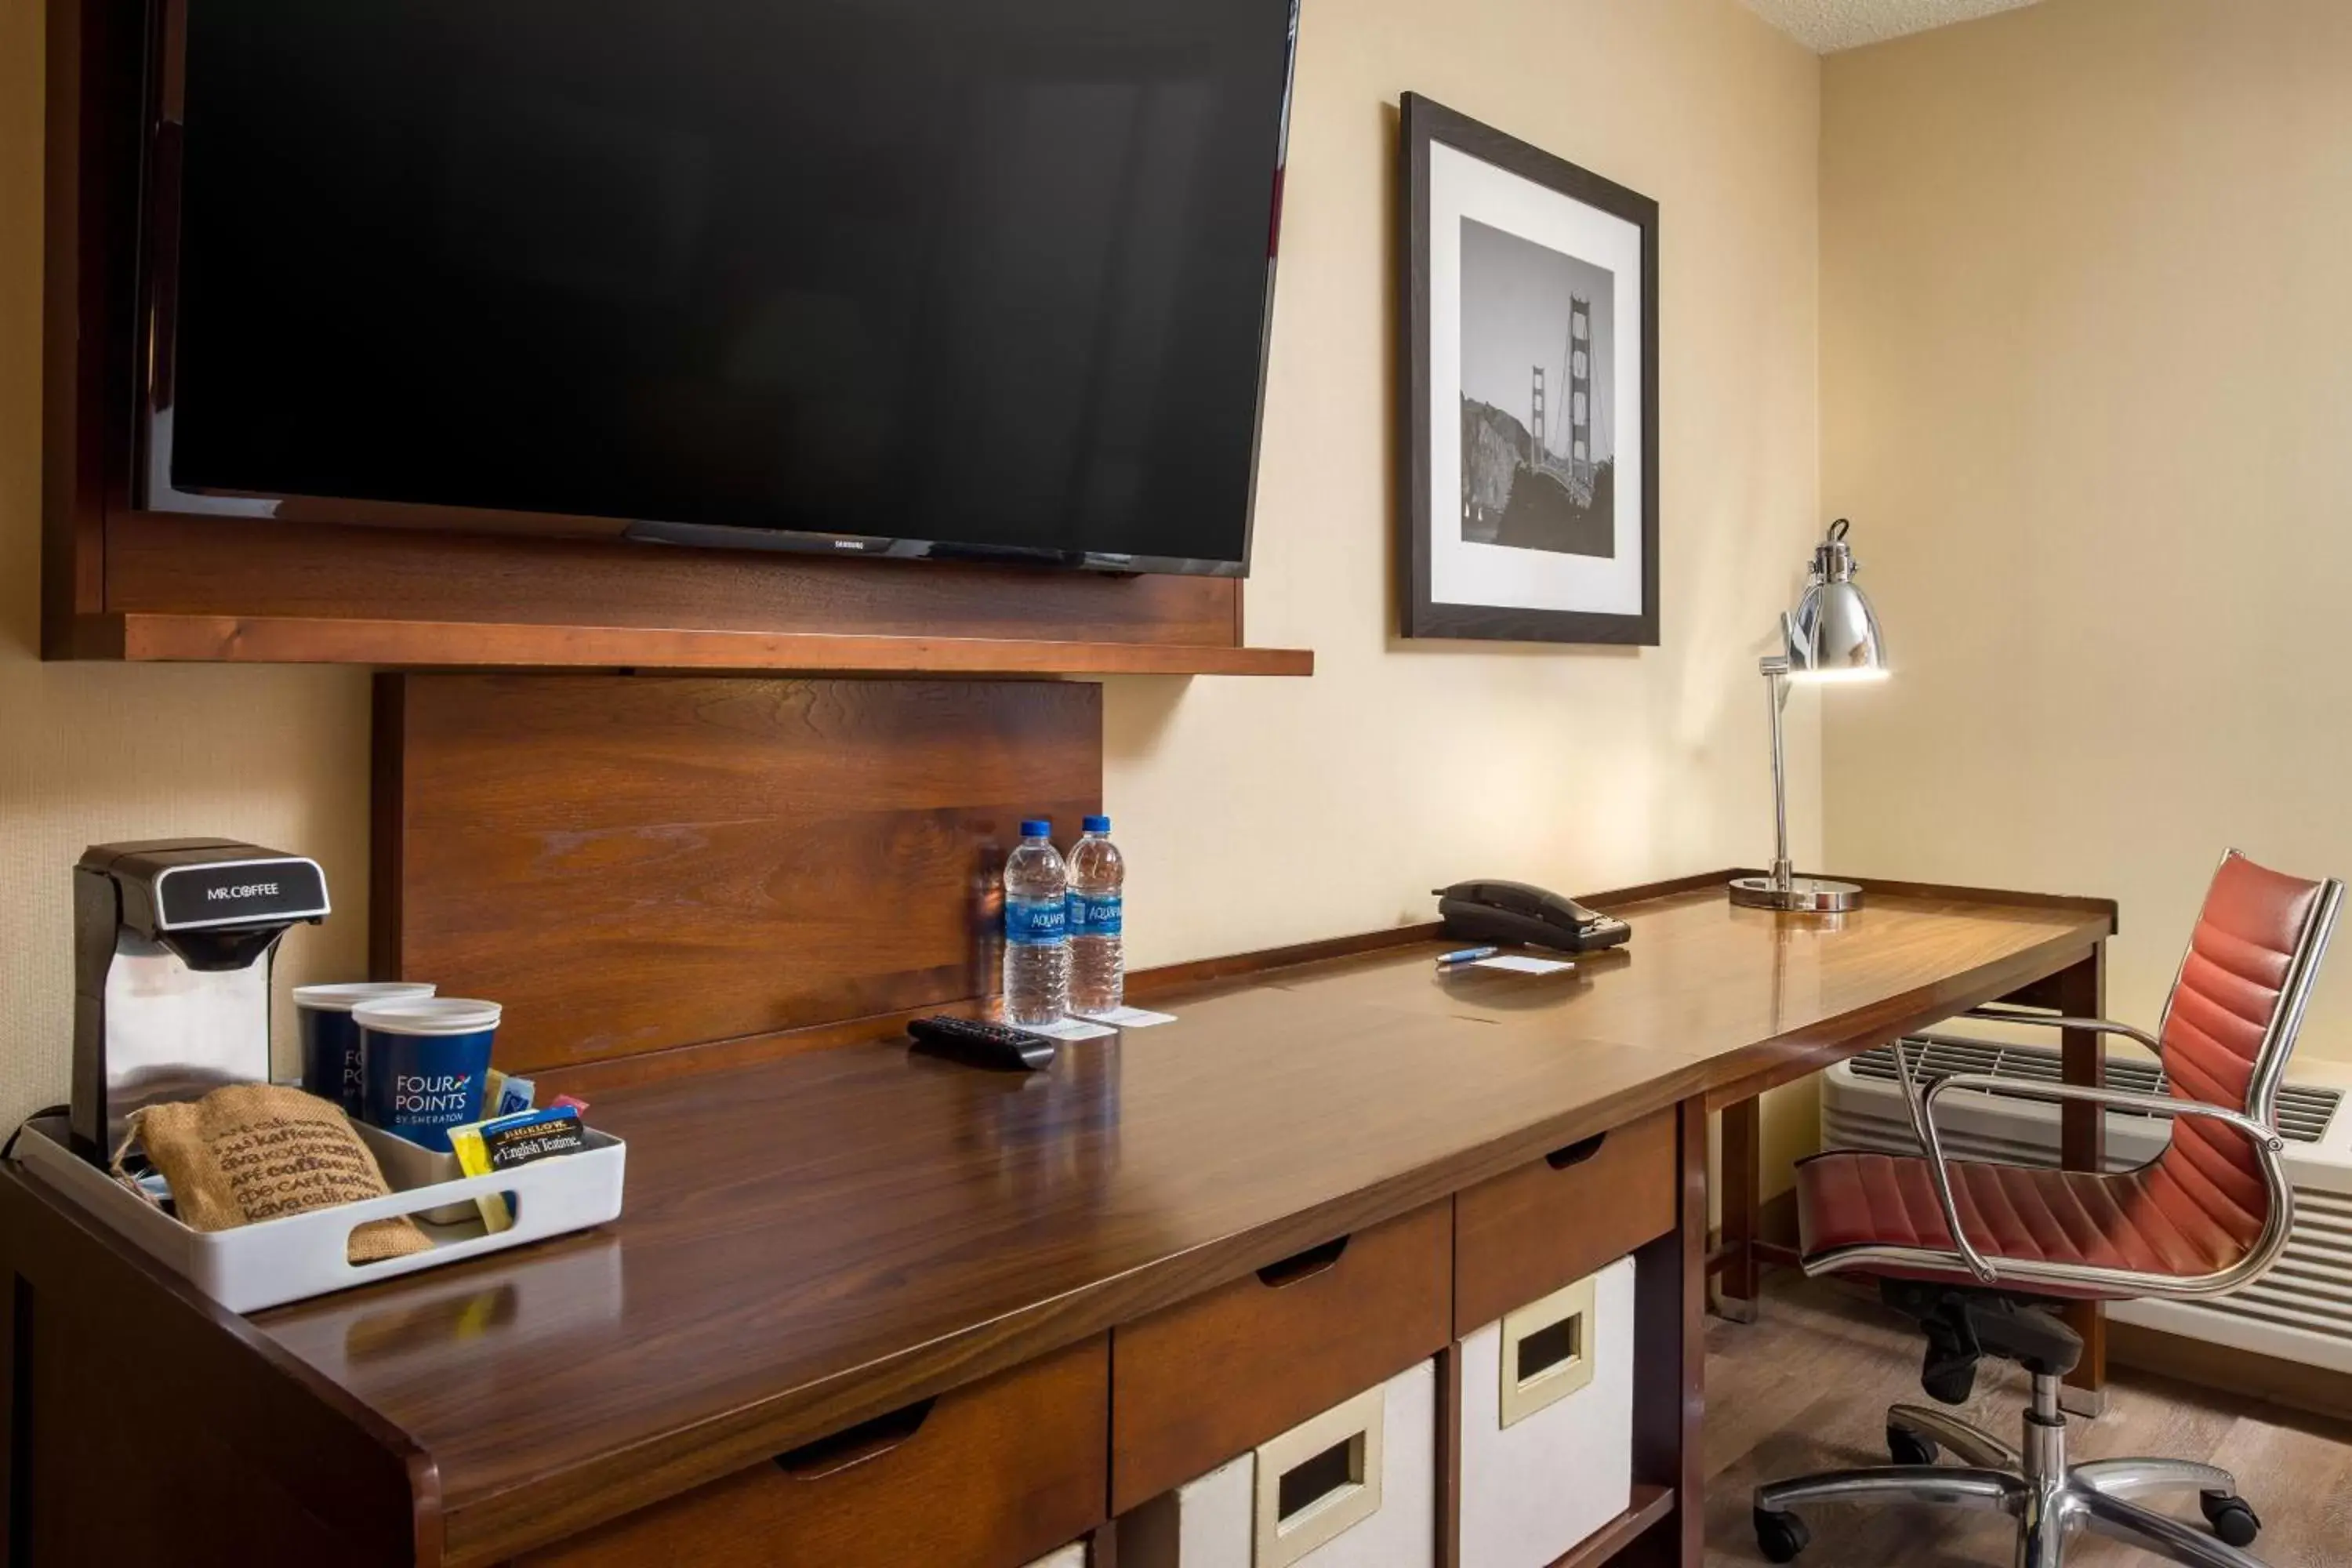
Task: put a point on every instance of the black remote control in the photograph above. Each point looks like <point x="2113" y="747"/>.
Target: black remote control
<point x="975" y="1043"/>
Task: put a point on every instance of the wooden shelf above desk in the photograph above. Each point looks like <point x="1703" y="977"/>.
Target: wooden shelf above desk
<point x="407" y="644"/>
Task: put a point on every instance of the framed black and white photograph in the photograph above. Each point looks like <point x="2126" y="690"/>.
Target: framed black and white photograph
<point x="1529" y="503"/>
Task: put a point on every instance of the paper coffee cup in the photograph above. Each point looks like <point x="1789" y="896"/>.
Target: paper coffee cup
<point x="331" y="1041"/>
<point x="426" y="1064"/>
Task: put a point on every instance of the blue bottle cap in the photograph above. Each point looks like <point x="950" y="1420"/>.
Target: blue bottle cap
<point x="1036" y="828"/>
<point x="1097" y="825"/>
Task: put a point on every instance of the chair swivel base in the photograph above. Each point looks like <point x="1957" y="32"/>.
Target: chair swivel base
<point x="2050" y="1499"/>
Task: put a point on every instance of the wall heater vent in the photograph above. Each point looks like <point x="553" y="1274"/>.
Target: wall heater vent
<point x="2301" y="1311"/>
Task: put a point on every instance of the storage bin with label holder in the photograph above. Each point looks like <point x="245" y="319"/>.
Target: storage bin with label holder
<point x="1353" y="1488"/>
<point x="1547" y="1451"/>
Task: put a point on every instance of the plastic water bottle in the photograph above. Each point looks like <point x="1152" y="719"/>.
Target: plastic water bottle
<point x="1098" y="957"/>
<point x="1036" y="930"/>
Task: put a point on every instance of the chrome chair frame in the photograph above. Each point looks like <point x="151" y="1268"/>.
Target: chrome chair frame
<point x="2049" y="1498"/>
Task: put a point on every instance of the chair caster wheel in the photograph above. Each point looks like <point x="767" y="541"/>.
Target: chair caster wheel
<point x="1908" y="1448"/>
<point x="2231" y="1518"/>
<point x="1780" y="1536"/>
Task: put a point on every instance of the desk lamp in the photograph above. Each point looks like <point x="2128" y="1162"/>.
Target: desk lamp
<point x="1832" y="635"/>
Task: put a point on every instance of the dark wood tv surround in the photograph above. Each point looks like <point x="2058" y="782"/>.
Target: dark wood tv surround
<point x="423" y="587"/>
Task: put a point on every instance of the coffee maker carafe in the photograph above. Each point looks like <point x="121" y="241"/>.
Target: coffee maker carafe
<point x="173" y="943"/>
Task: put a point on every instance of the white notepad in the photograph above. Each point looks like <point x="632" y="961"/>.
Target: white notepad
<point x="1131" y="1017"/>
<point x="1519" y="964"/>
<point x="1069" y="1029"/>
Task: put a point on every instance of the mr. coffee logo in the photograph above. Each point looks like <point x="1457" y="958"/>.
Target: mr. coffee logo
<point x="258" y="891"/>
<point x="429" y="1094"/>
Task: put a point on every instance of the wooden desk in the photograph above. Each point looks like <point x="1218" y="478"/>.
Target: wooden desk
<point x="817" y="1240"/>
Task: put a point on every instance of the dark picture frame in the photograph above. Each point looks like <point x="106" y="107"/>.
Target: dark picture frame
<point x="1424" y="123"/>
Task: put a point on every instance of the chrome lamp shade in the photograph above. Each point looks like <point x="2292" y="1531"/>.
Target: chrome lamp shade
<point x="1832" y="635"/>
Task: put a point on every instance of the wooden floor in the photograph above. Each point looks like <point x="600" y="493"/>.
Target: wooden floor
<point x="1806" y="1388"/>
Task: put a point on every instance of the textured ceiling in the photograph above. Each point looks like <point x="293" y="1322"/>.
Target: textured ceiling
<point x="1823" y="26"/>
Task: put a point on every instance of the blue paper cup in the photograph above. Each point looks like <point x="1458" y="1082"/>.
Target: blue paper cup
<point x="331" y="1041"/>
<point x="425" y="1065"/>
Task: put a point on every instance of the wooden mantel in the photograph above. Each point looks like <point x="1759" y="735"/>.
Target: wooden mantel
<point x="507" y="644"/>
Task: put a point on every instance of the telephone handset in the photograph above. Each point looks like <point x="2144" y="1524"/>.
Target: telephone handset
<point x="1490" y="909"/>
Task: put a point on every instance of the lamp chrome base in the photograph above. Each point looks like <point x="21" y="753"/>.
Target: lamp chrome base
<point x="1815" y="895"/>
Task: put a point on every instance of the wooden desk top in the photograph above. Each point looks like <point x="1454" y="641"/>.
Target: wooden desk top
<point x="818" y="1239"/>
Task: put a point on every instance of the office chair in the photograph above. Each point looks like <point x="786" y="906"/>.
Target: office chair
<point x="1978" y="1254"/>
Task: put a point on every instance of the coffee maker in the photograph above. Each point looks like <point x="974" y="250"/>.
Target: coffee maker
<point x="173" y="943"/>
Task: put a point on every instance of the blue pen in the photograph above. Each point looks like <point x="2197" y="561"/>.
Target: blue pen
<point x="1462" y="955"/>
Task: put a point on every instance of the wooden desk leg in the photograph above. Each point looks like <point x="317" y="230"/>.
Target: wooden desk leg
<point x="1670" y="1365"/>
<point x="1743" y="1176"/>
<point x="2081" y="992"/>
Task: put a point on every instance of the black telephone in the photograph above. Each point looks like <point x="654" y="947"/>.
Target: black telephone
<point x="1493" y="910"/>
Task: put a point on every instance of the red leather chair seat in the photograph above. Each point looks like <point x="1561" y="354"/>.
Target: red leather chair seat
<point x="2167" y="1218"/>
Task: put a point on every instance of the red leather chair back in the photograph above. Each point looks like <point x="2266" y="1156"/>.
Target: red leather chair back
<point x="2222" y="1028"/>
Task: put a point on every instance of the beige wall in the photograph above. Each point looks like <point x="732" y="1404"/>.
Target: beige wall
<point x="2085" y="351"/>
<point x="1256" y="812"/>
<point x="1260" y="812"/>
<point x="90" y="752"/>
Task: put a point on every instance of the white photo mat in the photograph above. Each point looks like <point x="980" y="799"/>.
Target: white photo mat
<point x="1461" y="572"/>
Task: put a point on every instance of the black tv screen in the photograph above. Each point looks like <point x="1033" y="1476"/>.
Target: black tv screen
<point x="907" y="277"/>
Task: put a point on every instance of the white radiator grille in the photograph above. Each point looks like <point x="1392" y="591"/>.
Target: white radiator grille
<point x="2303" y="1111"/>
<point x="2310" y="1287"/>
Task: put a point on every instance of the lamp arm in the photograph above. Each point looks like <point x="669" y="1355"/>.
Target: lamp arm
<point x="1775" y="670"/>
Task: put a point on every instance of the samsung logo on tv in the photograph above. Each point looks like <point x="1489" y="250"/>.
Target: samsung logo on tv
<point x="849" y="544"/>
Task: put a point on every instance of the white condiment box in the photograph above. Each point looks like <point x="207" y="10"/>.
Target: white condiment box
<point x="273" y="1261"/>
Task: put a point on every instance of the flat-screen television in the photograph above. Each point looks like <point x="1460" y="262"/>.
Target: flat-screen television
<point x="981" y="278"/>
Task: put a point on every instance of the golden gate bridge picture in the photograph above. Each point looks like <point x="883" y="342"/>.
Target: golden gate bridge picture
<point x="1540" y="476"/>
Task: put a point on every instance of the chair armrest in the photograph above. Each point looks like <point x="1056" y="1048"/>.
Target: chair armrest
<point x="1995" y="1013"/>
<point x="2266" y="1141"/>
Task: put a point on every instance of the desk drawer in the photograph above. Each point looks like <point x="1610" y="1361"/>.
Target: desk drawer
<point x="991" y="1476"/>
<point x="1215" y="1376"/>
<point x="1555" y="1220"/>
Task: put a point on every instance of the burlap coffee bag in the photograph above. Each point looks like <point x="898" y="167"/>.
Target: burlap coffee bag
<point x="257" y="1151"/>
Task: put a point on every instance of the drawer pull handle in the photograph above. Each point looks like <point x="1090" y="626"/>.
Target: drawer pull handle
<point x="1548" y="1351"/>
<point x="1318" y="1478"/>
<point x="1302" y="1265"/>
<point x="1576" y="1153"/>
<point x="852" y="1446"/>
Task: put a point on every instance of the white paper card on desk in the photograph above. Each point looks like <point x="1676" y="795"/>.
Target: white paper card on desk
<point x="1520" y="963"/>
<point x="1130" y="1018"/>
<point x="1069" y="1029"/>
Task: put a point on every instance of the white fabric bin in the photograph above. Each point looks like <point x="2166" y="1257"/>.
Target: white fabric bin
<point x="1548" y="1450"/>
<point x="1303" y="1498"/>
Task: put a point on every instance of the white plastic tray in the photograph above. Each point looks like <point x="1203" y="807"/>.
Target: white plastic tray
<point x="273" y="1261"/>
<point x="408" y="1166"/>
